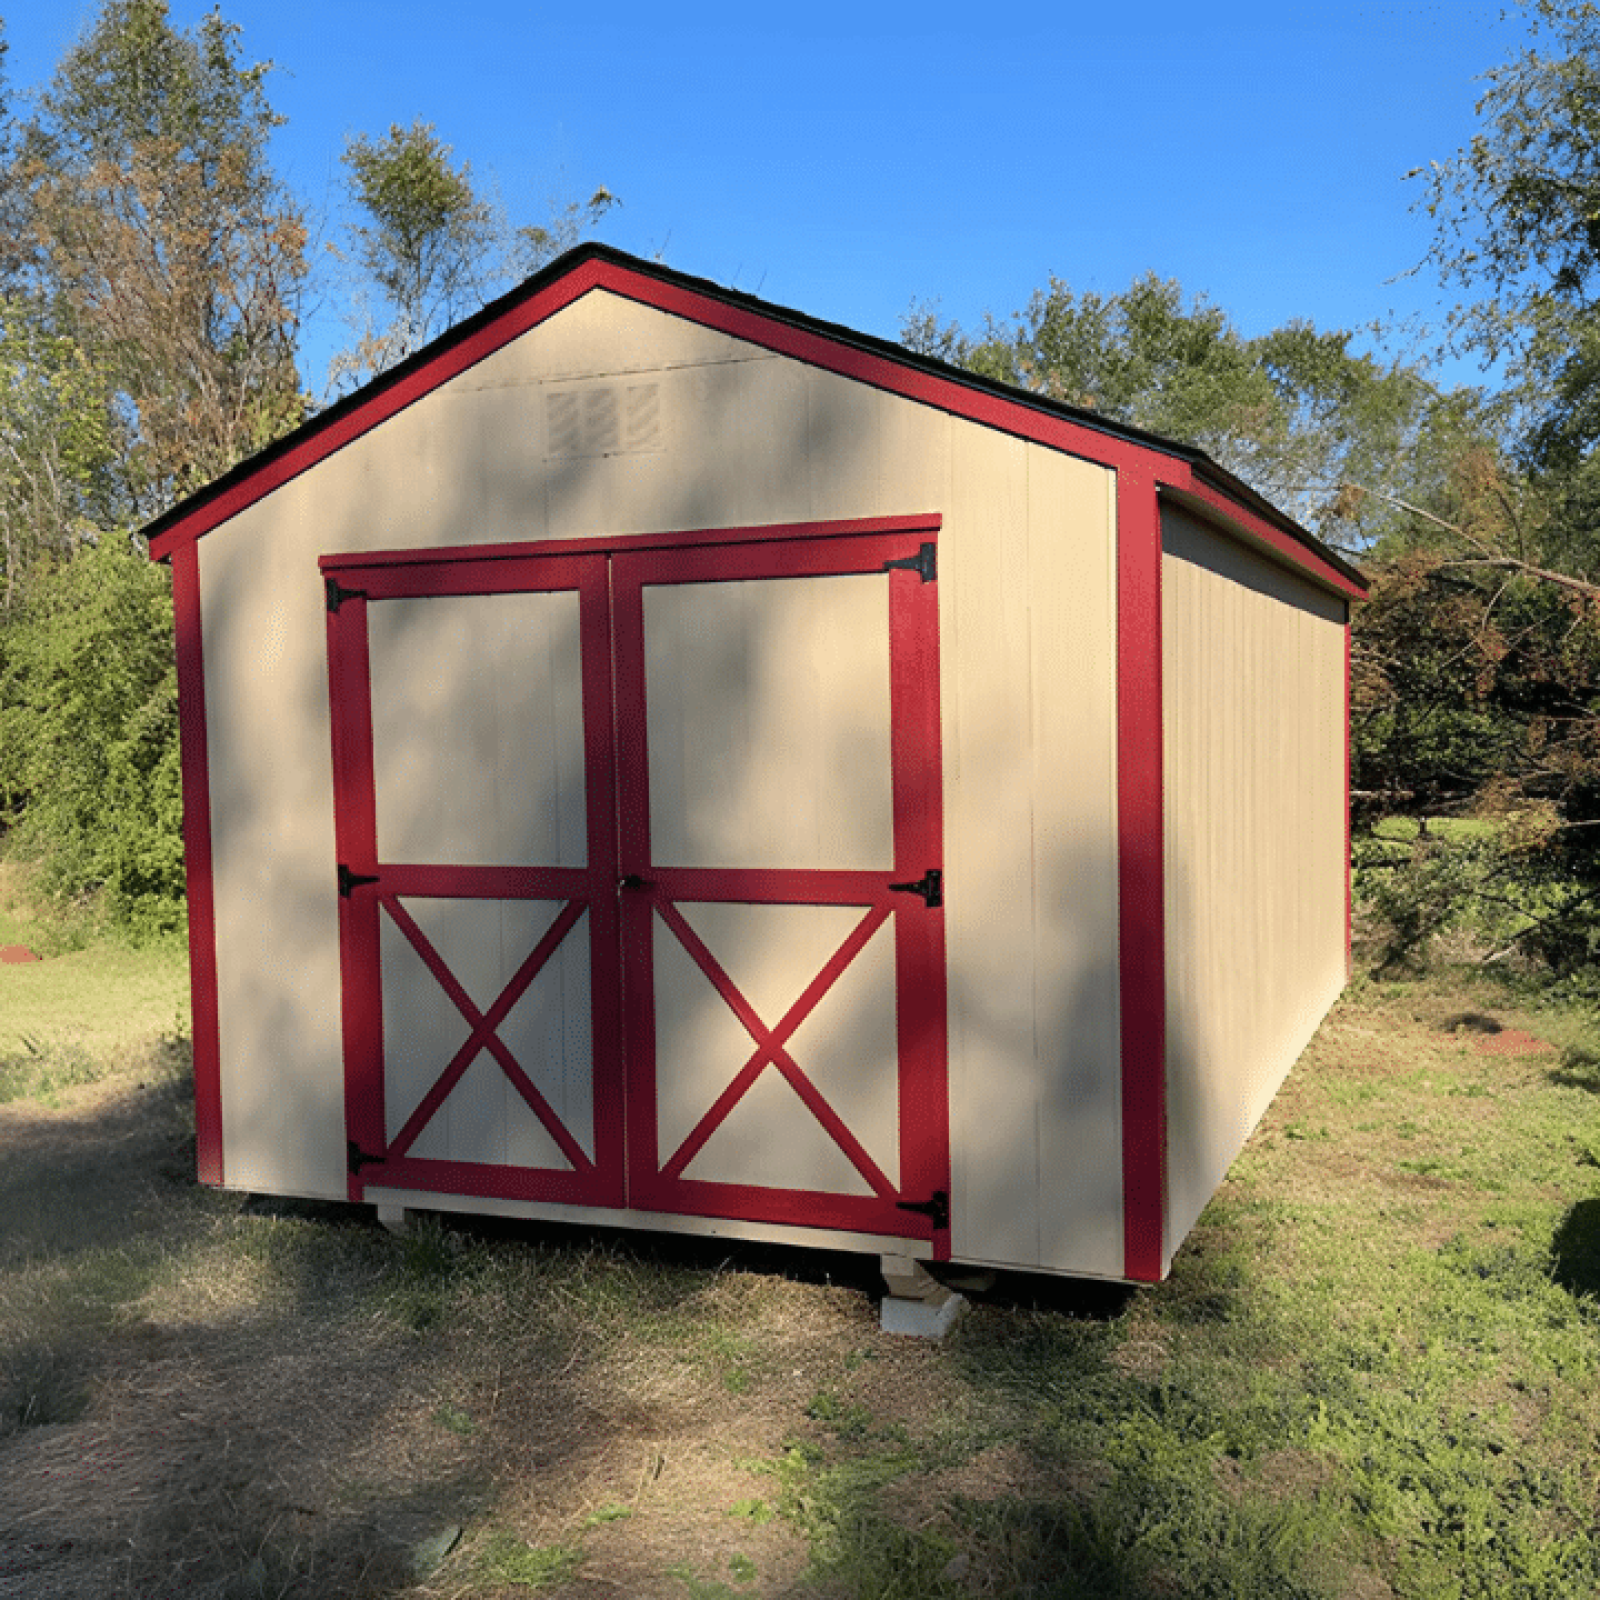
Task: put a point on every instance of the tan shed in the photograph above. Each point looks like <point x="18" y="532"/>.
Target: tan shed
<point x="659" y="760"/>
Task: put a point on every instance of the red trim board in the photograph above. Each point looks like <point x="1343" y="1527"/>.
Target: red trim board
<point x="1141" y="876"/>
<point x="195" y="768"/>
<point x="844" y="528"/>
<point x="1348" y="907"/>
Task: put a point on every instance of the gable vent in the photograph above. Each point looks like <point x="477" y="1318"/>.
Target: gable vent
<point x="604" y="420"/>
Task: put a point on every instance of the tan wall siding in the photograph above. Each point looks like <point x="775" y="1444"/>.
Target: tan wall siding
<point x="1253" y="752"/>
<point x="1028" y="652"/>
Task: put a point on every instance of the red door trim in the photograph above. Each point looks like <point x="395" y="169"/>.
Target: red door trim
<point x="590" y="889"/>
<point x="195" y="775"/>
<point x="617" y="544"/>
<point x="484" y="1035"/>
<point x="1141" y="872"/>
<point x="918" y="929"/>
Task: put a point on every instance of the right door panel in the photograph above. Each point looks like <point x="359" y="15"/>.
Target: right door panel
<point x="779" y="795"/>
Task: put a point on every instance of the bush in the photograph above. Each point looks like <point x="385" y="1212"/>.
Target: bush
<point x="89" y="782"/>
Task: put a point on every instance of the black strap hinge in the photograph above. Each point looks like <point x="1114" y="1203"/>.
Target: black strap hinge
<point x="357" y="1158"/>
<point x="936" y="1210"/>
<point x="337" y="594"/>
<point x="349" y="880"/>
<point x="930" y="886"/>
<point x="924" y="563"/>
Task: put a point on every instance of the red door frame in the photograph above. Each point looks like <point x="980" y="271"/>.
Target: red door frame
<point x="655" y="1180"/>
<point x="609" y="577"/>
<point x="589" y="890"/>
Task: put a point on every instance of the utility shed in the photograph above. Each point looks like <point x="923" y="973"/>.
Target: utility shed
<point x="656" y="759"/>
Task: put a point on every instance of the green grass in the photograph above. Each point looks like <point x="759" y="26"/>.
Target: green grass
<point x="1374" y="1371"/>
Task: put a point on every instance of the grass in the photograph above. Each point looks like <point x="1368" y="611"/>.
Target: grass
<point x="1372" y="1374"/>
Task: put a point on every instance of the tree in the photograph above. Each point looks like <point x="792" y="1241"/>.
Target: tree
<point x="1336" y="436"/>
<point x="1517" y="227"/>
<point x="431" y="242"/>
<point x="89" y="777"/>
<point x="432" y="245"/>
<point x="59" y="446"/>
<point x="163" y="243"/>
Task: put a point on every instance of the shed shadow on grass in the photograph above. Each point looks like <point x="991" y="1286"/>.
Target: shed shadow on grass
<point x="1575" y="1250"/>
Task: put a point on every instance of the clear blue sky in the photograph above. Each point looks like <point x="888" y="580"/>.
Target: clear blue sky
<point x="848" y="160"/>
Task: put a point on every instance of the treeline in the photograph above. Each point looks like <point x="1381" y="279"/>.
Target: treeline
<point x="154" y="273"/>
<point x="1476" y="663"/>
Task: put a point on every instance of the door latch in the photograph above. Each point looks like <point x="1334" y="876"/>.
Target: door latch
<point x="930" y="886"/>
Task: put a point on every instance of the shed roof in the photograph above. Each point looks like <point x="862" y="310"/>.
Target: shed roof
<point x="1191" y="476"/>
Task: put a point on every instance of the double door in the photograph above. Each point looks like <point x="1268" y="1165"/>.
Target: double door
<point x="639" y="865"/>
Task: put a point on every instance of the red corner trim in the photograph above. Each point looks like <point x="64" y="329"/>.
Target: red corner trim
<point x="1141" y="874"/>
<point x="195" y="770"/>
<point x="1348" y="947"/>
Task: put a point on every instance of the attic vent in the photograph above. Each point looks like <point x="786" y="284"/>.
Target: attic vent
<point x="605" y="421"/>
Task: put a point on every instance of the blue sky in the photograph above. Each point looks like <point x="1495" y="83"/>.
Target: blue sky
<point x="850" y="160"/>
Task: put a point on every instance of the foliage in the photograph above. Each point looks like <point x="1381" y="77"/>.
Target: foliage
<point x="429" y="239"/>
<point x="88" y="735"/>
<point x="432" y="244"/>
<point x="60" y="472"/>
<point x="163" y="242"/>
<point x="1335" y="435"/>
<point x="1517" y="219"/>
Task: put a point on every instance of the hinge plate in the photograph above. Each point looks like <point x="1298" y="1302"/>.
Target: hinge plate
<point x="349" y="880"/>
<point x="357" y="1158"/>
<point x="337" y="594"/>
<point x="925" y="563"/>
<point x="936" y="1209"/>
<point x="930" y="886"/>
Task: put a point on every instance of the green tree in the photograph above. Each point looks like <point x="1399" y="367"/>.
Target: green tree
<point x="1336" y="436"/>
<point x="1517" y="230"/>
<point x="428" y="242"/>
<point x="59" y="446"/>
<point x="163" y="242"/>
<point x="89" y="776"/>
<point x="431" y="244"/>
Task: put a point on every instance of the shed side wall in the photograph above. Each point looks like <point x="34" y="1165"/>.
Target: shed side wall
<point x="730" y="435"/>
<point x="1254" y="766"/>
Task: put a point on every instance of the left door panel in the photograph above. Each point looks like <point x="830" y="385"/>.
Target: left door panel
<point x="475" y="824"/>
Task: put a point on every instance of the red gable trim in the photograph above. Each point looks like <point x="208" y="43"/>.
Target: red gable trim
<point x="320" y="439"/>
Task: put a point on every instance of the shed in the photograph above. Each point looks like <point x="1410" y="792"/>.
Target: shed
<point x="657" y="759"/>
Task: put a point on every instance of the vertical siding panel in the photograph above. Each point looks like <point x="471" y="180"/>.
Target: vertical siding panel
<point x="843" y="465"/>
<point x="984" y="580"/>
<point x="1073" y="645"/>
<point x="1255" y="924"/>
